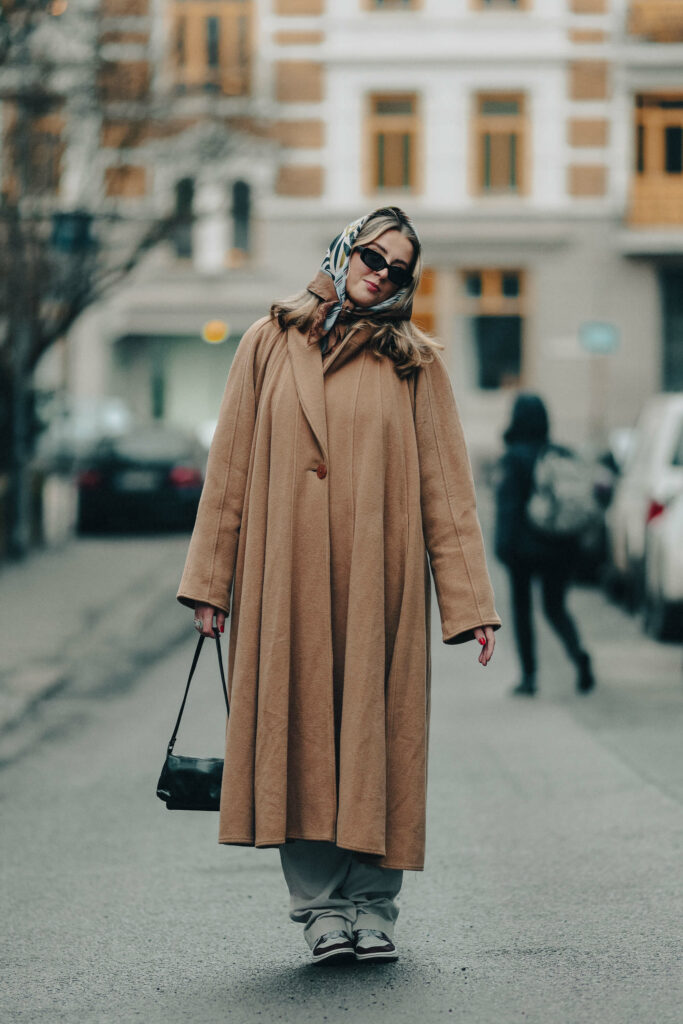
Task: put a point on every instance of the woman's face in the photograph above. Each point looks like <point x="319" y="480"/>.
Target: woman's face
<point x="366" y="287"/>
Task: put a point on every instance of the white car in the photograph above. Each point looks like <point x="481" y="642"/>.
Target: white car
<point x="652" y="477"/>
<point x="663" y="616"/>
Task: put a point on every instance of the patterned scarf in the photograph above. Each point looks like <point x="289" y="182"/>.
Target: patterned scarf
<point x="336" y="264"/>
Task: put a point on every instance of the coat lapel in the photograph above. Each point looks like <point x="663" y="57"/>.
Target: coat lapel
<point x="306" y="359"/>
<point x="308" y="364"/>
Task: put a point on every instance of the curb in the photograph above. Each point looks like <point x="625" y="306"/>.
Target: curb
<point x="105" y="656"/>
<point x="26" y="690"/>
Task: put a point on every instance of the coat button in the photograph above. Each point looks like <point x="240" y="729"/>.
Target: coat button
<point x="321" y="471"/>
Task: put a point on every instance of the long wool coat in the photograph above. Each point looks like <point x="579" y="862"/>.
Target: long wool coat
<point x="331" y="485"/>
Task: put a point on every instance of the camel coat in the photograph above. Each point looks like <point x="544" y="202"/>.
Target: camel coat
<point x="331" y="486"/>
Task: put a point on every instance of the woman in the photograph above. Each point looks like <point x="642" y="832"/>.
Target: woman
<point x="337" y="457"/>
<point x="527" y="553"/>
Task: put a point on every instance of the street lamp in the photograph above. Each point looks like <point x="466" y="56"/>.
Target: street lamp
<point x="215" y="331"/>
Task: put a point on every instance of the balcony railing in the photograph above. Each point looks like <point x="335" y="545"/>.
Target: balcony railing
<point x="660" y="21"/>
<point x="656" y="201"/>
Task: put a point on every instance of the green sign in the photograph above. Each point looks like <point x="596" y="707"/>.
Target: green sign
<point x="598" y="337"/>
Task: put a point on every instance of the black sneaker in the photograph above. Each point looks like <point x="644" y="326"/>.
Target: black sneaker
<point x="332" y="946"/>
<point x="585" y="681"/>
<point x="527" y="687"/>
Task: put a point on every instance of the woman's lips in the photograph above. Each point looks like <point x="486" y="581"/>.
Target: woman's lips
<point x="372" y="286"/>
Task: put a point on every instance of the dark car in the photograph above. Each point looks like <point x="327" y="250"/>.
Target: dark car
<point x="148" y="478"/>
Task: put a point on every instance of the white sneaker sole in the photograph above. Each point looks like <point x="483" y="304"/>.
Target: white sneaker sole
<point x="377" y="955"/>
<point x="333" y="954"/>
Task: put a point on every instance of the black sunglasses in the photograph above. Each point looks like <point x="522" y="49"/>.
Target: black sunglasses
<point x="371" y="258"/>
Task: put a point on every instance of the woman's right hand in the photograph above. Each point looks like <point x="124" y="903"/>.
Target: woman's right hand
<point x="205" y="613"/>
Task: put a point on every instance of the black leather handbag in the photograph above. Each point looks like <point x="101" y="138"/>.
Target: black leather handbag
<point x="192" y="783"/>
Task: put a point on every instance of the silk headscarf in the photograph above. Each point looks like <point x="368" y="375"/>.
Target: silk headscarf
<point x="336" y="264"/>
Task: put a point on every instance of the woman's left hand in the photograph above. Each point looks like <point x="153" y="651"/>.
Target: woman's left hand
<point x="485" y="634"/>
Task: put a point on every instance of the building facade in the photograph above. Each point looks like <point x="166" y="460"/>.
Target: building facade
<point x="537" y="144"/>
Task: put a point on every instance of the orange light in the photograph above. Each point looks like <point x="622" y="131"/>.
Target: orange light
<point x="58" y="7"/>
<point x="215" y="331"/>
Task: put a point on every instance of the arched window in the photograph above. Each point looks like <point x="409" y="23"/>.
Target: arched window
<point x="241" y="216"/>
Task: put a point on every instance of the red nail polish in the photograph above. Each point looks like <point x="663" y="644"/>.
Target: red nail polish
<point x="222" y="629"/>
<point x="482" y="641"/>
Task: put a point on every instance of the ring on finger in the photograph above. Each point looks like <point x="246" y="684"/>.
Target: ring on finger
<point x="198" y="624"/>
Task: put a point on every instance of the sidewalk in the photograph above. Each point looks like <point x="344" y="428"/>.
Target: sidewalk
<point x="90" y="614"/>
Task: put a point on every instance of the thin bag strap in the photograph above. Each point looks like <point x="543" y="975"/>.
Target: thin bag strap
<point x="195" y="659"/>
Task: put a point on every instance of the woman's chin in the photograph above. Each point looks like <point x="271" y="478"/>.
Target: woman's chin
<point x="363" y="301"/>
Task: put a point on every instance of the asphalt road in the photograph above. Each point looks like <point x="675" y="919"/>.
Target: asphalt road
<point x="553" y="890"/>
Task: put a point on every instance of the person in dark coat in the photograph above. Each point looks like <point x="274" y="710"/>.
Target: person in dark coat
<point x="528" y="554"/>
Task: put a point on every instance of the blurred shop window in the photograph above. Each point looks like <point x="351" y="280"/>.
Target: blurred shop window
<point x="212" y="46"/>
<point x="493" y="303"/>
<point x="35" y="150"/>
<point x="212" y="27"/>
<point x="184" y="218"/>
<point x="393" y="131"/>
<point x="500" y="131"/>
<point x="241" y="219"/>
<point x="423" y="303"/>
<point x="180" y="31"/>
<point x="671" y="286"/>
<point x="657" y="187"/>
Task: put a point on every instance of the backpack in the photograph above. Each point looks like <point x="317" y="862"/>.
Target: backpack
<point x="562" y="502"/>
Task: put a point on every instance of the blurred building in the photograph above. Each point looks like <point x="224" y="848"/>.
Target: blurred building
<point x="537" y="144"/>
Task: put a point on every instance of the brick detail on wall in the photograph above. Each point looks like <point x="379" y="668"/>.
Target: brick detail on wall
<point x="124" y="8"/>
<point x="124" y="80"/>
<point x="588" y="80"/>
<point x="582" y="132"/>
<point x="587" y="35"/>
<point x="587" y="180"/>
<point x="589" y="6"/>
<point x="299" y="6"/>
<point x="299" y="81"/>
<point x="125" y="181"/>
<point x="300" y="134"/>
<point x="124" y="38"/>
<point x="301" y="181"/>
<point x="659" y="21"/>
<point x="128" y="134"/>
<point x="299" y="38"/>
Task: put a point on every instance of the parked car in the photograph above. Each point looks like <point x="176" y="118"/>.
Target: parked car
<point x="663" y="599"/>
<point x="74" y="424"/>
<point x="652" y="477"/>
<point x="149" y="477"/>
<point x="591" y="556"/>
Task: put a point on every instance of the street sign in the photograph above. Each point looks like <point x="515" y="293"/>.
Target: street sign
<point x="599" y="337"/>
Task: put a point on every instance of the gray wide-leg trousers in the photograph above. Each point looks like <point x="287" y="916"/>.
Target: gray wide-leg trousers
<point x="331" y="890"/>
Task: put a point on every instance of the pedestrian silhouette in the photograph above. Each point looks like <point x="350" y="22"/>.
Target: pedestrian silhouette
<point x="530" y="553"/>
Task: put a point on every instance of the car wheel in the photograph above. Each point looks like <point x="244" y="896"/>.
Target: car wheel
<point x="663" y="620"/>
<point x="634" y="594"/>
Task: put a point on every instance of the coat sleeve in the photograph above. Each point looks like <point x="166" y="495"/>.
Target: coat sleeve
<point x="449" y="514"/>
<point x="210" y="563"/>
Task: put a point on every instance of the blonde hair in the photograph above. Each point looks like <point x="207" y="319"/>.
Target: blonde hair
<point x="390" y="335"/>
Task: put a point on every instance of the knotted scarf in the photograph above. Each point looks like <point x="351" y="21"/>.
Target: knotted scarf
<point x="336" y="264"/>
